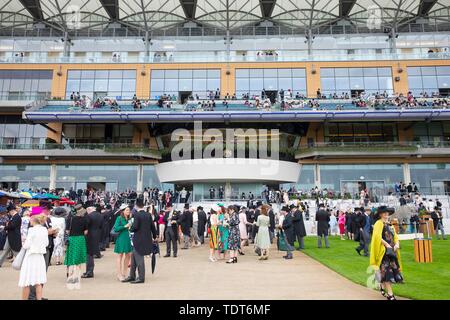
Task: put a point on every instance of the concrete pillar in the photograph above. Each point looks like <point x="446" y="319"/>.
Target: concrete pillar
<point x="317" y="180"/>
<point x="53" y="174"/>
<point x="406" y="173"/>
<point x="67" y="45"/>
<point x="227" y="191"/>
<point x="140" y="179"/>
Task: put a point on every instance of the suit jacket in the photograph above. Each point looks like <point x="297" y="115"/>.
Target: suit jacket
<point x="202" y="219"/>
<point x="299" y="225"/>
<point x="95" y="226"/>
<point x="272" y="220"/>
<point x="186" y="222"/>
<point x="144" y="231"/>
<point x="13" y="229"/>
<point x="322" y="218"/>
<point x="288" y="228"/>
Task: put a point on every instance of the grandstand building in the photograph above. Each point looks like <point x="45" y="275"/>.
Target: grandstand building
<point x="335" y="52"/>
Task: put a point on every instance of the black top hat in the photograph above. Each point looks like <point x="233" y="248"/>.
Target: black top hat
<point x="199" y="208"/>
<point x="186" y="205"/>
<point x="285" y="208"/>
<point x="321" y="205"/>
<point x="292" y="206"/>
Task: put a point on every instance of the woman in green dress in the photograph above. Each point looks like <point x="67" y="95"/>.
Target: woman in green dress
<point x="123" y="246"/>
<point x="76" y="255"/>
<point x="223" y="231"/>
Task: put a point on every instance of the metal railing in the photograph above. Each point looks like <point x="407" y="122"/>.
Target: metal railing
<point x="106" y="147"/>
<point x="199" y="57"/>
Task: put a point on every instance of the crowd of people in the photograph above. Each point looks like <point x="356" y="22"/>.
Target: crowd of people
<point x="76" y="231"/>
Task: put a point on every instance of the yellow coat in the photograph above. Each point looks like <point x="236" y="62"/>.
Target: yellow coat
<point x="377" y="249"/>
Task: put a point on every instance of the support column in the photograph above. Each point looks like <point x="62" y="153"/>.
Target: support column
<point x="228" y="191"/>
<point x="317" y="180"/>
<point x="147" y="46"/>
<point x="140" y="179"/>
<point x="393" y="40"/>
<point x="53" y="175"/>
<point x="309" y="41"/>
<point x="406" y="173"/>
<point x="67" y="44"/>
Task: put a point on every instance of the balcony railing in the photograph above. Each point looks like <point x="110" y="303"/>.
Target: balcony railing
<point x="199" y="57"/>
<point x="408" y="146"/>
<point x="105" y="147"/>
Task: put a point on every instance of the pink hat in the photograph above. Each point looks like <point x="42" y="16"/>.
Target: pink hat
<point x="36" y="211"/>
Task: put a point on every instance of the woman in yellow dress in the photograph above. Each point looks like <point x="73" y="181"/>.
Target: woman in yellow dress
<point x="213" y="240"/>
<point x="385" y="253"/>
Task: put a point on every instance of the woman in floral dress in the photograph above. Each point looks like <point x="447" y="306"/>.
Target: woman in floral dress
<point x="223" y="228"/>
<point x="234" y="239"/>
<point x="385" y="253"/>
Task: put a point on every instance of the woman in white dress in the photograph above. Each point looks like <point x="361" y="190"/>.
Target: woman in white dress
<point x="58" y="224"/>
<point x="33" y="270"/>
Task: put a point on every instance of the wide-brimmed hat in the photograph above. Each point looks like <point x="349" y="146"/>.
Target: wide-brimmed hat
<point x="122" y="207"/>
<point x="36" y="211"/>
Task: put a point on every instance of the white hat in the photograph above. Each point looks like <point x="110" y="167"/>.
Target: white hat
<point x="122" y="207"/>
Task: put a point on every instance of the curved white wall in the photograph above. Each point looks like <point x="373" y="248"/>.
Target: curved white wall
<point x="233" y="170"/>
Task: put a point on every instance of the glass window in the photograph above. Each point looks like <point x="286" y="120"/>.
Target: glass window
<point x="171" y="85"/>
<point x="102" y="74"/>
<point x="256" y="73"/>
<point x="285" y="83"/>
<point x="185" y="85"/>
<point x="115" y="74"/>
<point x="88" y="74"/>
<point x="415" y="82"/>
<point x="74" y="74"/>
<point x="341" y="72"/>
<point x="329" y="84"/>
<point x="430" y="82"/>
<point x="200" y="74"/>
<point x="428" y="71"/>
<point x="414" y="71"/>
<point x="357" y="83"/>
<point x="114" y="85"/>
<point x="327" y="72"/>
<point x="371" y="83"/>
<point x="342" y="84"/>
<point x="87" y="85"/>
<point x="370" y="72"/>
<point x="101" y="85"/>
<point x="200" y="85"/>
<point x="271" y="84"/>
<point x="270" y="73"/>
<point x="129" y="85"/>
<point x="129" y="74"/>
<point x="444" y="81"/>
<point x="185" y="74"/>
<point x="242" y="73"/>
<point x="385" y="72"/>
<point x="157" y="85"/>
<point x="299" y="73"/>
<point x="158" y="74"/>
<point x="356" y="72"/>
<point x="256" y="84"/>
<point x="214" y="74"/>
<point x="286" y="73"/>
<point x="213" y="84"/>
<point x="443" y="70"/>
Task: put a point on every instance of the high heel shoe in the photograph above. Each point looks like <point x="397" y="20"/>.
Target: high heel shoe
<point x="391" y="297"/>
<point x="241" y="253"/>
<point x="231" y="260"/>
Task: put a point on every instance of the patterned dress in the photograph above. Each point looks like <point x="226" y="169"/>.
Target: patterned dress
<point x="223" y="231"/>
<point x="213" y="237"/>
<point x="390" y="267"/>
<point x="234" y="237"/>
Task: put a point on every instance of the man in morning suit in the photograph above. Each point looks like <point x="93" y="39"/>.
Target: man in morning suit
<point x="144" y="233"/>
<point x="94" y="234"/>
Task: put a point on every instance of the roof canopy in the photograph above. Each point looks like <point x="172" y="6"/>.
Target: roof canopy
<point x="150" y="15"/>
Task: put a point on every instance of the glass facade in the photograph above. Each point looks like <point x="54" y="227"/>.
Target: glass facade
<point x="24" y="177"/>
<point x="350" y="80"/>
<point x="172" y="82"/>
<point x="253" y="81"/>
<point x="151" y="179"/>
<point x="360" y="132"/>
<point x="14" y="131"/>
<point x="98" y="133"/>
<point x="98" y="177"/>
<point x="119" y="84"/>
<point x="346" y="178"/>
<point x="433" y="133"/>
<point x="429" y="80"/>
<point x="25" y="84"/>
<point x="431" y="178"/>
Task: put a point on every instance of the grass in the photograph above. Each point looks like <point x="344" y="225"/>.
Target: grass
<point x="422" y="281"/>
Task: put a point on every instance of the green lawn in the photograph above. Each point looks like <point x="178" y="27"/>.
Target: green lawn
<point x="422" y="281"/>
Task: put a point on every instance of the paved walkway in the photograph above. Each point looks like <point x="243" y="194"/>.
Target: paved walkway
<point x="192" y="276"/>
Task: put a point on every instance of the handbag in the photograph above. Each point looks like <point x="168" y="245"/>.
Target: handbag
<point x="18" y="261"/>
<point x="282" y="245"/>
<point x="390" y="253"/>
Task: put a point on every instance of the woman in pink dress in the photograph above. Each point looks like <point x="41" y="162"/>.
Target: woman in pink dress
<point x="243" y="229"/>
<point x="341" y="222"/>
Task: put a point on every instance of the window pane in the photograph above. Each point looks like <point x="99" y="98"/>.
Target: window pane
<point x="199" y="74"/>
<point x="299" y="73"/>
<point x="185" y="85"/>
<point x="115" y="85"/>
<point x="158" y="74"/>
<point x="327" y="72"/>
<point x="285" y="73"/>
<point x="115" y="74"/>
<point x="415" y="82"/>
<point x="270" y="73"/>
<point x="242" y="73"/>
<point x="199" y="85"/>
<point x="214" y="74"/>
